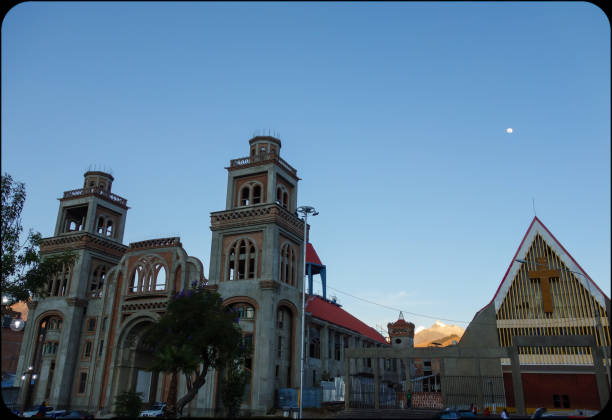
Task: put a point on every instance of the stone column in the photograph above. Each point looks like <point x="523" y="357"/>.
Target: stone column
<point x="517" y="381"/>
<point x="600" y="374"/>
<point x="376" y="382"/>
<point x="347" y="382"/>
<point x="442" y="383"/>
<point x="408" y="384"/>
<point x="398" y="365"/>
<point x="324" y="336"/>
<point x="480" y="392"/>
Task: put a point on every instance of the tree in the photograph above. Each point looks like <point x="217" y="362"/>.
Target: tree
<point x="232" y="387"/>
<point x="128" y="404"/>
<point x="198" y="334"/>
<point x="24" y="273"/>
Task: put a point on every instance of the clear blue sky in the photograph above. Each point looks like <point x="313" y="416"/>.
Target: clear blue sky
<point x="394" y="115"/>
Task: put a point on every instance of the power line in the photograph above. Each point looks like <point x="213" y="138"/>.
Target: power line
<point x="418" y="314"/>
<point x="397" y="309"/>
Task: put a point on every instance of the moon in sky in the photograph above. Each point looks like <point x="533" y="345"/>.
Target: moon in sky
<point x="509" y="130"/>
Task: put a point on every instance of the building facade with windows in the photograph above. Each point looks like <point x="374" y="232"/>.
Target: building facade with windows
<point x="83" y="342"/>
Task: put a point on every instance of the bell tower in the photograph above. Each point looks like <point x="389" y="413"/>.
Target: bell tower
<point x="90" y="225"/>
<point x="401" y="332"/>
<point x="256" y="265"/>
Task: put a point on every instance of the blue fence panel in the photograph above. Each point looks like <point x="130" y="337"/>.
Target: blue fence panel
<point x="287" y="397"/>
<point x="312" y="397"/>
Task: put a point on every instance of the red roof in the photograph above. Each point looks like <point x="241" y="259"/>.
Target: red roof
<point x="311" y="255"/>
<point x="320" y="308"/>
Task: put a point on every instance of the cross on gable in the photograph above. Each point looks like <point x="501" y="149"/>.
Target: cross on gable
<point x="544" y="275"/>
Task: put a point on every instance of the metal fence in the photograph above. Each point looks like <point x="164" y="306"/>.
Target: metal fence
<point x="333" y="391"/>
<point x="462" y="391"/>
<point x="363" y="394"/>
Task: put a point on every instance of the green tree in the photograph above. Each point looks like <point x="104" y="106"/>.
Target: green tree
<point x="232" y="386"/>
<point x="24" y="273"/>
<point x="198" y="334"/>
<point x="128" y="404"/>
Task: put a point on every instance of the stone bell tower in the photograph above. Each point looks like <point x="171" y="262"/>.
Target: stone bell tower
<point x="401" y="332"/>
<point x="255" y="264"/>
<point x="59" y="345"/>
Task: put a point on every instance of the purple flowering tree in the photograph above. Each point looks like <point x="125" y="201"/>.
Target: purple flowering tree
<point x="194" y="335"/>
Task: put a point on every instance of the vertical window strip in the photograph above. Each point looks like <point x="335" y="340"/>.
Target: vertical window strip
<point x="586" y="313"/>
<point x="576" y="313"/>
<point x="563" y="285"/>
<point x="530" y="293"/>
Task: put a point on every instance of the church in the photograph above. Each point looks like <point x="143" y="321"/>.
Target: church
<point x="83" y="343"/>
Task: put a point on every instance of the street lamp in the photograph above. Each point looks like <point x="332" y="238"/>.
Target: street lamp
<point x="305" y="211"/>
<point x="28" y="376"/>
<point x="595" y="311"/>
<point x="17" y="324"/>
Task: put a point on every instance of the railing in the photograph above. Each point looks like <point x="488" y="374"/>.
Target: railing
<point x="363" y="394"/>
<point x="96" y="191"/>
<point x="263" y="157"/>
<point x="256" y="211"/>
<point x="157" y="243"/>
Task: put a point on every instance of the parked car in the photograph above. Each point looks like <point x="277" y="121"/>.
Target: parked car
<point x="451" y="413"/>
<point x="156" y="410"/>
<point x="55" y="413"/>
<point x="74" y="414"/>
<point x="34" y="411"/>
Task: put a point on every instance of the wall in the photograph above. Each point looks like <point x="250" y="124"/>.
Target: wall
<point x="539" y="388"/>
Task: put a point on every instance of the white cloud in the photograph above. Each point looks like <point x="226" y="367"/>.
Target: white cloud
<point x="419" y="329"/>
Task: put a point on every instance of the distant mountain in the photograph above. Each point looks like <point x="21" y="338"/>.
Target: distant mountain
<point x="438" y="332"/>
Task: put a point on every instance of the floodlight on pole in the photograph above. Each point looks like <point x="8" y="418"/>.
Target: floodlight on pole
<point x="305" y="211"/>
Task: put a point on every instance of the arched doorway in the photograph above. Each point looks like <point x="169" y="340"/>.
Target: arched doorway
<point x="133" y="363"/>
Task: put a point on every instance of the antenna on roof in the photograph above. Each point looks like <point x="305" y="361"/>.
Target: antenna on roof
<point x="533" y="204"/>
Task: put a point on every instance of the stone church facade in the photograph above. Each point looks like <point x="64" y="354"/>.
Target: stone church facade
<point x="83" y="342"/>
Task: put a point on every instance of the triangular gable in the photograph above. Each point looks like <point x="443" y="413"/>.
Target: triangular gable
<point x="537" y="227"/>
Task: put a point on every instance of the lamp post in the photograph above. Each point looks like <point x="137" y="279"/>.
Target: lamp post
<point x="595" y="311"/>
<point x="305" y="211"/>
<point x="28" y="376"/>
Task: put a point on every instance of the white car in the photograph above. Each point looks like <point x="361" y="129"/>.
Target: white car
<point x="50" y="412"/>
<point x="156" y="411"/>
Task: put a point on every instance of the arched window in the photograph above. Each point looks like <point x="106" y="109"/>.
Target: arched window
<point x="251" y="194"/>
<point x="288" y="264"/>
<point x="242" y="260"/>
<point x="54" y="323"/>
<point x="135" y="283"/>
<point x="58" y="283"/>
<point x="109" y="228"/>
<point x="244" y="310"/>
<point x="149" y="275"/>
<point x="256" y="194"/>
<point x="96" y="281"/>
<point x="100" y="226"/>
<point x="245" y="192"/>
<point x="160" y="282"/>
<point x="315" y="343"/>
<point x="282" y="196"/>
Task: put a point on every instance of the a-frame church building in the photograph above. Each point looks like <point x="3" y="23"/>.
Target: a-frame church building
<point x="546" y="299"/>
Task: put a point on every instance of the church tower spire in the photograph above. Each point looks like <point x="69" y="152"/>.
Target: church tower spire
<point x="256" y="264"/>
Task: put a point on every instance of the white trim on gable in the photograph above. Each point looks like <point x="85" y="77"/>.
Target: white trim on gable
<point x="538" y="227"/>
